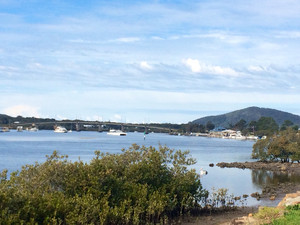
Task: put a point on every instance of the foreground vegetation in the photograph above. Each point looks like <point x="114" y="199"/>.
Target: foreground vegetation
<point x="283" y="146"/>
<point x="140" y="186"/>
<point x="290" y="217"/>
<point x="276" y="216"/>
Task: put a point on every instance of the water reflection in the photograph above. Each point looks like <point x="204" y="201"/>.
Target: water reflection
<point x="262" y="178"/>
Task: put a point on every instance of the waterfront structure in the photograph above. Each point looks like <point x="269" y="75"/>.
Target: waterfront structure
<point x="230" y="134"/>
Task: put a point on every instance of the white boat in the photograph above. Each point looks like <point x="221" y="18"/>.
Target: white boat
<point x="19" y="128"/>
<point x="203" y="172"/>
<point x="4" y="129"/>
<point x="32" y="129"/>
<point x="60" y="129"/>
<point x="116" y="133"/>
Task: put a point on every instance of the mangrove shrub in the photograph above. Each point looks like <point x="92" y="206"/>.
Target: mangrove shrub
<point x="284" y="147"/>
<point x="139" y="186"/>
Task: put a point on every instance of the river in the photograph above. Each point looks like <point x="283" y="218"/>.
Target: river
<point x="20" y="148"/>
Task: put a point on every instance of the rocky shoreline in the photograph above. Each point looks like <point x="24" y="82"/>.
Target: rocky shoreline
<point x="288" y="200"/>
<point x="270" y="166"/>
<point x="275" y="190"/>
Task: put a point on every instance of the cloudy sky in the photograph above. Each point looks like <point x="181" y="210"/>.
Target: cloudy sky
<point x="148" y="61"/>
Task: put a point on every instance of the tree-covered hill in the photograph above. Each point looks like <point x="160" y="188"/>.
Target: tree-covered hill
<point x="249" y="114"/>
<point x="6" y="120"/>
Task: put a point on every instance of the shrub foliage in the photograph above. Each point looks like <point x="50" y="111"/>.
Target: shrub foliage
<point x="284" y="146"/>
<point x="139" y="186"/>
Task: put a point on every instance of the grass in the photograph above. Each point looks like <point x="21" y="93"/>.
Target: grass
<point x="268" y="214"/>
<point x="290" y="217"/>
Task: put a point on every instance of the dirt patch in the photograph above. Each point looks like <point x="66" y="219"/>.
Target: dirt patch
<point x="220" y="218"/>
<point x="242" y="215"/>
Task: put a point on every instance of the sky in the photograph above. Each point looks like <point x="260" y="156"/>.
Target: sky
<point x="148" y="61"/>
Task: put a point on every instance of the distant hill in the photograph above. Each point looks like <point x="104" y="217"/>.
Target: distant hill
<point x="249" y="114"/>
<point x="5" y="119"/>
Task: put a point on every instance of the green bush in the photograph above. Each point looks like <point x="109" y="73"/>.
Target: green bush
<point x="291" y="216"/>
<point x="139" y="186"/>
<point x="284" y="146"/>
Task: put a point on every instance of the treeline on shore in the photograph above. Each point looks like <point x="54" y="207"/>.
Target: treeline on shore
<point x="263" y="127"/>
<point x="281" y="146"/>
<point x="142" y="185"/>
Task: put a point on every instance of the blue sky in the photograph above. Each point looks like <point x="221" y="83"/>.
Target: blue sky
<point x="148" y="61"/>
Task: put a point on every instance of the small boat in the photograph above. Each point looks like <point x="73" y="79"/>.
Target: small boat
<point x="60" y="129"/>
<point x="203" y="172"/>
<point x="19" y="128"/>
<point x="34" y="129"/>
<point x="4" y="129"/>
<point x="116" y="133"/>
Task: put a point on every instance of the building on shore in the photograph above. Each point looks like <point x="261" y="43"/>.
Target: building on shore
<point x="230" y="134"/>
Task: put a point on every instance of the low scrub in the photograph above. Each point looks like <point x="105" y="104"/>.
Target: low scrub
<point x="284" y="147"/>
<point x="268" y="214"/>
<point x="291" y="216"/>
<point x="141" y="185"/>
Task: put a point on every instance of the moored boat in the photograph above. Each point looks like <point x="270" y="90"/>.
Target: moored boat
<point x="60" y="129"/>
<point x="203" y="172"/>
<point x="34" y="129"/>
<point x="4" y="129"/>
<point x="19" y="128"/>
<point x="116" y="133"/>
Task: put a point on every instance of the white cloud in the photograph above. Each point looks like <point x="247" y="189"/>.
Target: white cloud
<point x="127" y="39"/>
<point x="59" y="117"/>
<point x="157" y="38"/>
<point x="198" y="67"/>
<point x="34" y="66"/>
<point x="94" y="118"/>
<point x="117" y="118"/>
<point x="221" y="36"/>
<point x="193" y="65"/>
<point x="8" y="68"/>
<point x="288" y="34"/>
<point x="22" y="110"/>
<point x="145" y="65"/>
<point x="256" y="68"/>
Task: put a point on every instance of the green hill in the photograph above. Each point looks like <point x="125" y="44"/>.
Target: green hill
<point x="6" y="120"/>
<point x="249" y="114"/>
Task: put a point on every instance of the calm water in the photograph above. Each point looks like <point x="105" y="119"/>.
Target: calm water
<point x="20" y="148"/>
